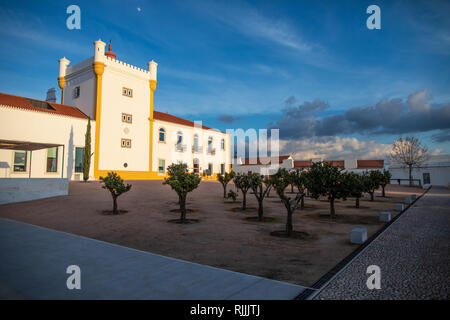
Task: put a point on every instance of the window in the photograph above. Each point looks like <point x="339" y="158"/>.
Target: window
<point x="426" y="178"/>
<point x="52" y="159"/>
<point x="79" y="155"/>
<point x="127" y="92"/>
<point x="222" y="168"/>
<point x="76" y="92"/>
<point x="126" y="143"/>
<point x="20" y="161"/>
<point x="161" y="166"/>
<point x="222" y="144"/>
<point x="128" y="118"/>
<point x="179" y="137"/>
<point x="195" y="146"/>
<point x="210" y="141"/>
<point x="162" y="135"/>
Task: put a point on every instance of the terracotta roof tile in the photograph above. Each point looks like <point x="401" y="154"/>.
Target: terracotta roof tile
<point x="24" y="103"/>
<point x="336" y="163"/>
<point x="171" y="118"/>
<point x="367" y="164"/>
<point x="302" y="164"/>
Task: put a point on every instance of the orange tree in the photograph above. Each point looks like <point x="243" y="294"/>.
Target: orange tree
<point x="373" y="182"/>
<point x="261" y="187"/>
<point x="280" y="181"/>
<point x="114" y="184"/>
<point x="183" y="182"/>
<point x="385" y="180"/>
<point x="298" y="179"/>
<point x="324" y="179"/>
<point x="243" y="183"/>
<point x="224" y="179"/>
<point x="354" y="183"/>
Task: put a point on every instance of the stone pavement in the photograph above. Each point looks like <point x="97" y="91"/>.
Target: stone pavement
<point x="413" y="255"/>
<point x="34" y="262"/>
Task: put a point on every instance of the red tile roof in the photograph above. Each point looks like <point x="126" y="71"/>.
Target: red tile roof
<point x="254" y="161"/>
<point x="368" y="164"/>
<point x="23" y="103"/>
<point x="302" y="164"/>
<point x="171" y="118"/>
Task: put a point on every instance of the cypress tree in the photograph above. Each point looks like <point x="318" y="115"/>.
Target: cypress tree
<point x="87" y="151"/>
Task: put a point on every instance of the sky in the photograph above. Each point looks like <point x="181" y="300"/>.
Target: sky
<point x="312" y="69"/>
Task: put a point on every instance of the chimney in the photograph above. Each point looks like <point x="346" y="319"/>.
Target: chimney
<point x="51" y="95"/>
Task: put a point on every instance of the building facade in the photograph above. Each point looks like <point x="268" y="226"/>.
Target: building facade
<point x="127" y="135"/>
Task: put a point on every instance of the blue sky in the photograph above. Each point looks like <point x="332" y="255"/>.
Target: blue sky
<point x="234" y="64"/>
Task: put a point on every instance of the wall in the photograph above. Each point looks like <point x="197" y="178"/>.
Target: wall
<point x="168" y="152"/>
<point x="17" y="190"/>
<point x="33" y="126"/>
<point x="439" y="175"/>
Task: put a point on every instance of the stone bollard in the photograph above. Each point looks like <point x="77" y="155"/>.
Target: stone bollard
<point x="358" y="235"/>
<point x="399" y="206"/>
<point x="385" y="216"/>
<point x="414" y="196"/>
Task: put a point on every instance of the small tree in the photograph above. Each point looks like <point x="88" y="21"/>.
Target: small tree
<point x="373" y="182"/>
<point x="298" y="179"/>
<point x="87" y="151"/>
<point x="183" y="182"/>
<point x="385" y="180"/>
<point x="355" y="186"/>
<point x="243" y="183"/>
<point x="114" y="184"/>
<point x="324" y="179"/>
<point x="410" y="153"/>
<point x="224" y="179"/>
<point x="261" y="187"/>
<point x="280" y="181"/>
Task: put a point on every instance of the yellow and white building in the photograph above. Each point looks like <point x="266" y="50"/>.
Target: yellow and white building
<point x="43" y="139"/>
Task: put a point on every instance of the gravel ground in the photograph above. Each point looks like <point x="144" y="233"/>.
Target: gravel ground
<point x="413" y="255"/>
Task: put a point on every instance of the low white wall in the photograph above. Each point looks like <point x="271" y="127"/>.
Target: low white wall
<point x="17" y="190"/>
<point x="439" y="176"/>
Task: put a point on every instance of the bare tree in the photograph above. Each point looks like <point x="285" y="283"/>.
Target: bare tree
<point x="410" y="153"/>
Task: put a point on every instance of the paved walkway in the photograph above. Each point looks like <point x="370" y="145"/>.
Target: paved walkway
<point x="33" y="263"/>
<point x="413" y="255"/>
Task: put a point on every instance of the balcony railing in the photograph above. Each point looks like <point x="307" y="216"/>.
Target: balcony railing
<point x="197" y="149"/>
<point x="180" y="147"/>
<point x="211" y="151"/>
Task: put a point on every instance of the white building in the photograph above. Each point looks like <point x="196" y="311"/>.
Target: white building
<point x="435" y="171"/>
<point x="43" y="139"/>
<point x="263" y="165"/>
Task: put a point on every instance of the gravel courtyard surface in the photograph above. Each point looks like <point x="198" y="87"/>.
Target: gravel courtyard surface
<point x="413" y="255"/>
<point x="223" y="237"/>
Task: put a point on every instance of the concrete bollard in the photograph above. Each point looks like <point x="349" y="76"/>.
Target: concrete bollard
<point x="399" y="206"/>
<point x="358" y="235"/>
<point x="414" y="196"/>
<point x="385" y="216"/>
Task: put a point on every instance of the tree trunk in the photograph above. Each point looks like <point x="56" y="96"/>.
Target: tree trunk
<point x="383" y="193"/>
<point x="292" y="188"/>
<point x="371" y="195"/>
<point x="289" y="223"/>
<point x="244" y="200"/>
<point x="115" y="205"/>
<point x="332" y="211"/>
<point x="224" y="190"/>
<point x="183" y="208"/>
<point x="260" y="210"/>
<point x="357" y="203"/>
<point x="302" y="203"/>
<point x="410" y="175"/>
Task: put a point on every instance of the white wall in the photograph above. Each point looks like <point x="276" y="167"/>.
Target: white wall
<point x="167" y="151"/>
<point x="264" y="169"/>
<point x="41" y="127"/>
<point x="439" y="176"/>
<point x="17" y="190"/>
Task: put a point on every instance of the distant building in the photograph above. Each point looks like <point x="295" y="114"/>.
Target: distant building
<point x="435" y="171"/>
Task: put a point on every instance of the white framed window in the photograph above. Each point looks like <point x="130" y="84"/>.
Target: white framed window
<point x="162" y="135"/>
<point x="20" y="161"/>
<point x="125" y="143"/>
<point x="161" y="166"/>
<point x="76" y="92"/>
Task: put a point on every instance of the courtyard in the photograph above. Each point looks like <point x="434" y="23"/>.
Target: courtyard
<point x="223" y="237"/>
